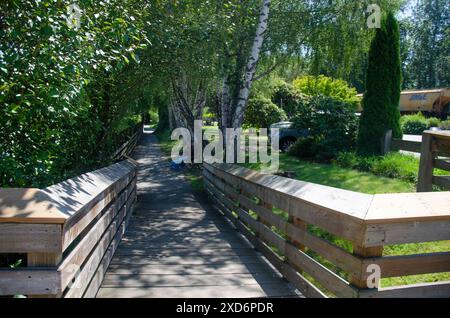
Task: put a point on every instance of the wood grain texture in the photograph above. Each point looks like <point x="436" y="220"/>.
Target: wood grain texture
<point x="31" y="206"/>
<point x="30" y="238"/>
<point x="89" y="269"/>
<point x="177" y="246"/>
<point x="29" y="282"/>
<point x="432" y="290"/>
<point x="387" y="219"/>
<point x="65" y="201"/>
<point x="406" y="145"/>
<point x="413" y="207"/>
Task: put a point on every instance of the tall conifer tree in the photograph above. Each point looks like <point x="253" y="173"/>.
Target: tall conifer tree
<point x="381" y="100"/>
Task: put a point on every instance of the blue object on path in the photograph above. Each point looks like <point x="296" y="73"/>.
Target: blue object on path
<point x="178" y="163"/>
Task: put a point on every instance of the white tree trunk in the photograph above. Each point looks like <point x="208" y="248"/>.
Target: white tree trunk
<point x="252" y="62"/>
<point x="225" y="104"/>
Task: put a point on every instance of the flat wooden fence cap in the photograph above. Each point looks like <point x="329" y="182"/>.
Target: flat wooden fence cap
<point x="58" y="203"/>
<point x="28" y="206"/>
<point x="445" y="134"/>
<point x="378" y="208"/>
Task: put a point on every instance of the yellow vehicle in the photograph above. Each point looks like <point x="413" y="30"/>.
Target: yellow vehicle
<point x="432" y="101"/>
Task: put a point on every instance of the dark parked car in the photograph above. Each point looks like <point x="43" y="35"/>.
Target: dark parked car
<point x="288" y="135"/>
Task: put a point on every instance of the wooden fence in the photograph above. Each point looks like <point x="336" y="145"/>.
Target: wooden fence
<point x="406" y="145"/>
<point x="127" y="147"/>
<point x="67" y="233"/>
<point x="435" y="153"/>
<point x="394" y="144"/>
<point x="278" y="215"/>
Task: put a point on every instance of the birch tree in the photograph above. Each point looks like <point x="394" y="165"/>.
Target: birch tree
<point x="252" y="62"/>
<point x="237" y="68"/>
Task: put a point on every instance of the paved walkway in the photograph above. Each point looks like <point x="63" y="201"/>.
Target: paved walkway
<point x="178" y="246"/>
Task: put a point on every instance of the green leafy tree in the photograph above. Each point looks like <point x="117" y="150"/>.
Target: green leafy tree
<point x="395" y="69"/>
<point x="381" y="100"/>
<point x="327" y="86"/>
<point x="285" y="96"/>
<point x="427" y="31"/>
<point x="58" y="84"/>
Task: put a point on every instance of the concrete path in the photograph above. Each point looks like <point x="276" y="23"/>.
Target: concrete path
<point x="177" y="245"/>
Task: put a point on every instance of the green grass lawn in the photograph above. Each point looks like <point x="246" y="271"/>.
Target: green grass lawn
<point x="366" y="182"/>
<point x="338" y="177"/>
<point x="343" y="178"/>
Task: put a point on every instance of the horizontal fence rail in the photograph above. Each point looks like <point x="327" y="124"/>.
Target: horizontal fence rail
<point x="67" y="232"/>
<point x="388" y="144"/>
<point x="281" y="218"/>
<point x="127" y="148"/>
<point x="406" y="145"/>
<point x="435" y="153"/>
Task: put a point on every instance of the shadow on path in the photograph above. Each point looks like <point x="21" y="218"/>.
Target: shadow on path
<point x="176" y="245"/>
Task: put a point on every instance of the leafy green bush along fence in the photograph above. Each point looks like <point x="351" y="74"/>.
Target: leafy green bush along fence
<point x="392" y="165"/>
<point x="60" y="112"/>
<point x="445" y="125"/>
<point x="332" y="126"/>
<point x="416" y="124"/>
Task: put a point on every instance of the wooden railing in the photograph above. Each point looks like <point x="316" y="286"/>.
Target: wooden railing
<point x="127" y="147"/>
<point x="67" y="233"/>
<point x="406" y="145"/>
<point x="435" y="153"/>
<point x="394" y="144"/>
<point x="279" y="215"/>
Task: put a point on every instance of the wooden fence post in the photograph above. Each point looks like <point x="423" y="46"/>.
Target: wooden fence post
<point x="427" y="156"/>
<point x="364" y="252"/>
<point x="44" y="260"/>
<point x="301" y="225"/>
<point x="386" y="142"/>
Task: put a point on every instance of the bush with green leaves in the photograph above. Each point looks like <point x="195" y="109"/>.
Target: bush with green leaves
<point x="153" y="117"/>
<point x="414" y="127"/>
<point x="303" y="148"/>
<point x="445" y="125"/>
<point x="332" y="126"/>
<point x="433" y="122"/>
<point x="261" y="113"/>
<point x="288" y="98"/>
<point x="209" y="118"/>
<point x="57" y="84"/>
<point x="327" y="86"/>
<point x="416" y="124"/>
